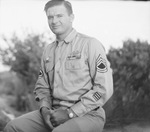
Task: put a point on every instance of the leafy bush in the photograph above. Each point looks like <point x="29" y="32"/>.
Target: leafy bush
<point x="23" y="56"/>
<point x="131" y="73"/>
<point x="3" y="120"/>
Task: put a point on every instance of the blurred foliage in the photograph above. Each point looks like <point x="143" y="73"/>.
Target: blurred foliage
<point x="23" y="56"/>
<point x="3" y="120"/>
<point x="131" y="74"/>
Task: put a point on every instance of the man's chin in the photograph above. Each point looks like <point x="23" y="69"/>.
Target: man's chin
<point x="56" y="31"/>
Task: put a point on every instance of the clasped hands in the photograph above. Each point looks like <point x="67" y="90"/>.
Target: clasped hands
<point x="53" y="118"/>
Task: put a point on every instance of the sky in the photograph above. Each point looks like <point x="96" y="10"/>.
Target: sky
<point x="111" y="22"/>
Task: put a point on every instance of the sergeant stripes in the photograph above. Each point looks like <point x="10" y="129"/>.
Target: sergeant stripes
<point x="96" y="96"/>
<point x="101" y="64"/>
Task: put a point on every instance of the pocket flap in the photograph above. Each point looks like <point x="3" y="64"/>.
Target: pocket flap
<point x="49" y="64"/>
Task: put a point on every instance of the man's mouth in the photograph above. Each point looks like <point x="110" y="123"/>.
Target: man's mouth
<point x="55" y="27"/>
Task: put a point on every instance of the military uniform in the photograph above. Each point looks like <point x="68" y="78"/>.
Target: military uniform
<point x="76" y="74"/>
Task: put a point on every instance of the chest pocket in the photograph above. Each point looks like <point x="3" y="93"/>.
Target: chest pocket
<point x="49" y="64"/>
<point x="75" y="61"/>
<point x="75" y="64"/>
<point x="72" y="65"/>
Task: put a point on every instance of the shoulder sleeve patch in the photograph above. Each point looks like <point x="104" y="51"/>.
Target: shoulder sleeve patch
<point x="101" y="64"/>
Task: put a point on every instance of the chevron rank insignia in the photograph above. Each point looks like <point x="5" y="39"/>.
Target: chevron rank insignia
<point x="101" y="64"/>
<point x="40" y="73"/>
<point x="96" y="96"/>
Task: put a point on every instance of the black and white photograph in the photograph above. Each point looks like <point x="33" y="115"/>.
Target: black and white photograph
<point x="74" y="66"/>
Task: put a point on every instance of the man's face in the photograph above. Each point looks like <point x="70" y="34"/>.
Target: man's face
<point x="60" y="22"/>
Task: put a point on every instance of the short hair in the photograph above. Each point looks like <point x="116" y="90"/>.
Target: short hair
<point x="52" y="3"/>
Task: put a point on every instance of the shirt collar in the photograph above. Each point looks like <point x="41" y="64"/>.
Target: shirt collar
<point x="69" y="38"/>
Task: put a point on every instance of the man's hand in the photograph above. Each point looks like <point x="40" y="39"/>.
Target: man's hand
<point x="46" y="114"/>
<point x="59" y="116"/>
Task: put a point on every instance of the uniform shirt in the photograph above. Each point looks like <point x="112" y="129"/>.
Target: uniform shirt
<point x="76" y="72"/>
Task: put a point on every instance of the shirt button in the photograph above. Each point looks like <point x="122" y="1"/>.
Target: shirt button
<point x="47" y="59"/>
<point x="88" y="109"/>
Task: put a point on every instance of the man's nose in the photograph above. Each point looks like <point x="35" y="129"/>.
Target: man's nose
<point x="55" y="20"/>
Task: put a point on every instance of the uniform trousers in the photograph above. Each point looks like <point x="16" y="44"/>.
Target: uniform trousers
<point x="33" y="122"/>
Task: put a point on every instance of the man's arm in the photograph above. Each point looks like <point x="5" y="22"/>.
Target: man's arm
<point x="42" y="87"/>
<point x="101" y="75"/>
<point x="43" y="94"/>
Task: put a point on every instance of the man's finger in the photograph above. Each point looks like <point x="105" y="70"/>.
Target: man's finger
<point x="51" y="111"/>
<point x="50" y="124"/>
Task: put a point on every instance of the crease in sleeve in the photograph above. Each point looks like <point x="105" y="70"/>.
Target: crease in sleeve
<point x="45" y="103"/>
<point x="79" y="109"/>
<point x="88" y="102"/>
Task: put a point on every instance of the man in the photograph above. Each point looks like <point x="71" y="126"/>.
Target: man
<point x="75" y="80"/>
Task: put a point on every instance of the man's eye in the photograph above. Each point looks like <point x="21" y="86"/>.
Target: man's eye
<point x="50" y="17"/>
<point x="59" y="15"/>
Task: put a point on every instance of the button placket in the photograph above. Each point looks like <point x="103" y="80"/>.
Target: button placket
<point x="58" y="56"/>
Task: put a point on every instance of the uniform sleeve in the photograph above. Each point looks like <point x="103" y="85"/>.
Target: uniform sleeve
<point x="101" y="76"/>
<point x="42" y="87"/>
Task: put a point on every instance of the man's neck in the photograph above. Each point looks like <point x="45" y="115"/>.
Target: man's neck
<point x="63" y="36"/>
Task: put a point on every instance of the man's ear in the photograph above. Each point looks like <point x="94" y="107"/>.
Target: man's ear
<point x="71" y="18"/>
